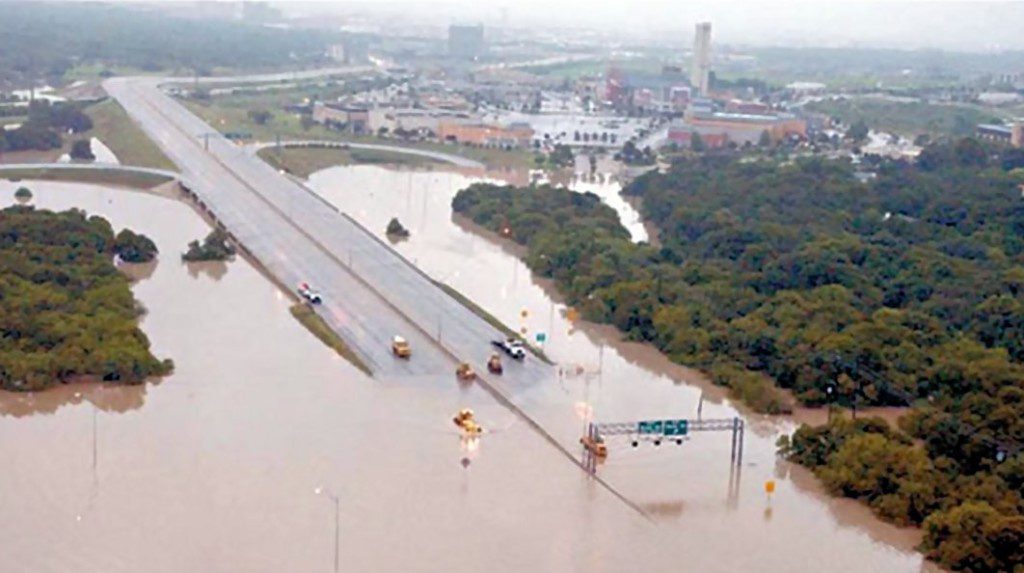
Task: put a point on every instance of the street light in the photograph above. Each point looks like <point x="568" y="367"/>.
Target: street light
<point x="337" y="517"/>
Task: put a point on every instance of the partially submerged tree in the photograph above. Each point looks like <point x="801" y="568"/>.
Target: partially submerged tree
<point x="82" y="149"/>
<point x="133" y="247"/>
<point x="396" y="229"/>
<point x="215" y="247"/>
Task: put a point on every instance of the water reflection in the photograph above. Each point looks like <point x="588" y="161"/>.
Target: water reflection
<point x="212" y="269"/>
<point x="105" y="397"/>
<point x="137" y="272"/>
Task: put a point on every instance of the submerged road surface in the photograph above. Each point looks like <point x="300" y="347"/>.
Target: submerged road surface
<point x="370" y="293"/>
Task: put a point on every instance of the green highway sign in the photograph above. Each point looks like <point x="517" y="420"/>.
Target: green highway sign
<point x="648" y="427"/>
<point x="676" y="427"/>
<point x="665" y="427"/>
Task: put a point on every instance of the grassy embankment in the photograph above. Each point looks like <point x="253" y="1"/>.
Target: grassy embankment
<point x="303" y="161"/>
<point x="113" y="126"/>
<point x="491" y="319"/>
<point x="319" y="329"/>
<point x="112" y="176"/>
<point x="230" y="114"/>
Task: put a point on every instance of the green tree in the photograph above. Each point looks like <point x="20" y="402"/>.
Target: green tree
<point x="133" y="247"/>
<point x="697" y="143"/>
<point x="82" y="149"/>
<point x="858" y="131"/>
<point x="396" y="229"/>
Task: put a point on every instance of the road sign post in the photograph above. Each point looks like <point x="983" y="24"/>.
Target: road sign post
<point x="677" y="429"/>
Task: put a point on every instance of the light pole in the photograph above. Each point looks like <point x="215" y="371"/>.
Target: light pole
<point x="337" y="519"/>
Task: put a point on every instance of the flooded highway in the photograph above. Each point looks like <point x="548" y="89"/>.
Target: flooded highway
<point x="217" y="466"/>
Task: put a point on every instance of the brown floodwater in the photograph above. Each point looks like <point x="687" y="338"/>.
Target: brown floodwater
<point x="215" y="467"/>
<point x="725" y="521"/>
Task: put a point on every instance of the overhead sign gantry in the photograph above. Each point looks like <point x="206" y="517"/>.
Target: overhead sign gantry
<point x="656" y="432"/>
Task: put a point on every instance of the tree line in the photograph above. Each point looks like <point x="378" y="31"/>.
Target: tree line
<point x="795" y="276"/>
<point x="42" y="41"/>
<point x="44" y="127"/>
<point x="65" y="310"/>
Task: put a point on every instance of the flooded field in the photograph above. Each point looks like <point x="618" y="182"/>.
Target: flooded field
<point x="216" y="467"/>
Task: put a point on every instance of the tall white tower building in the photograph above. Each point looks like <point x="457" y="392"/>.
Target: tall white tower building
<point x="700" y="73"/>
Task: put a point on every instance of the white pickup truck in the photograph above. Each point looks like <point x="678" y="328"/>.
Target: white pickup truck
<point x="512" y="347"/>
<point x="310" y="295"/>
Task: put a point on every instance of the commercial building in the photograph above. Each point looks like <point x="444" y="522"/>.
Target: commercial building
<point x="466" y="42"/>
<point x="422" y="122"/>
<point x="664" y="92"/>
<point x="352" y="50"/>
<point x="717" y="129"/>
<point x="484" y="135"/>
<point x="1012" y="134"/>
<point x="352" y="119"/>
<point x="700" y="73"/>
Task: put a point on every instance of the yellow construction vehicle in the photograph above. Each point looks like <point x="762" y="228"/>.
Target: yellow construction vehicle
<point x="494" y="364"/>
<point x="467" y="423"/>
<point x="465" y="372"/>
<point x="400" y="347"/>
<point x="595" y="446"/>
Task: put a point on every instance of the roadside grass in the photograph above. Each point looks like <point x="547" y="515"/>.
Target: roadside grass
<point x="316" y="325"/>
<point x="492" y="320"/>
<point x="113" y="126"/>
<point x="112" y="176"/>
<point x="303" y="161"/>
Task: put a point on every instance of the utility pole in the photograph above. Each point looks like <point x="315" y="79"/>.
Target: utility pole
<point x="337" y="520"/>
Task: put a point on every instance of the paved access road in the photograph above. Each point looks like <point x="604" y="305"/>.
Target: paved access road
<point x="456" y="160"/>
<point x="370" y="292"/>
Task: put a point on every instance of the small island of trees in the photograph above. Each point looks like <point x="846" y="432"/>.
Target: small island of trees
<point x="23" y="194"/>
<point x="67" y="313"/>
<point x="215" y="247"/>
<point x="131" y="247"/>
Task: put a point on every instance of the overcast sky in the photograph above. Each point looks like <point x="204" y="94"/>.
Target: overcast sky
<point x="976" y="25"/>
<point x="972" y="25"/>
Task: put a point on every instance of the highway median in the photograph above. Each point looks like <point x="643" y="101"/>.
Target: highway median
<point x="316" y="325"/>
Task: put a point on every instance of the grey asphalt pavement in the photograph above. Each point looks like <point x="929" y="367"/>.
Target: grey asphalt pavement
<point x="370" y="292"/>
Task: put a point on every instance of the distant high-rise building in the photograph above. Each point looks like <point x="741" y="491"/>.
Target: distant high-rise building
<point x="700" y="74"/>
<point x="466" y="41"/>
